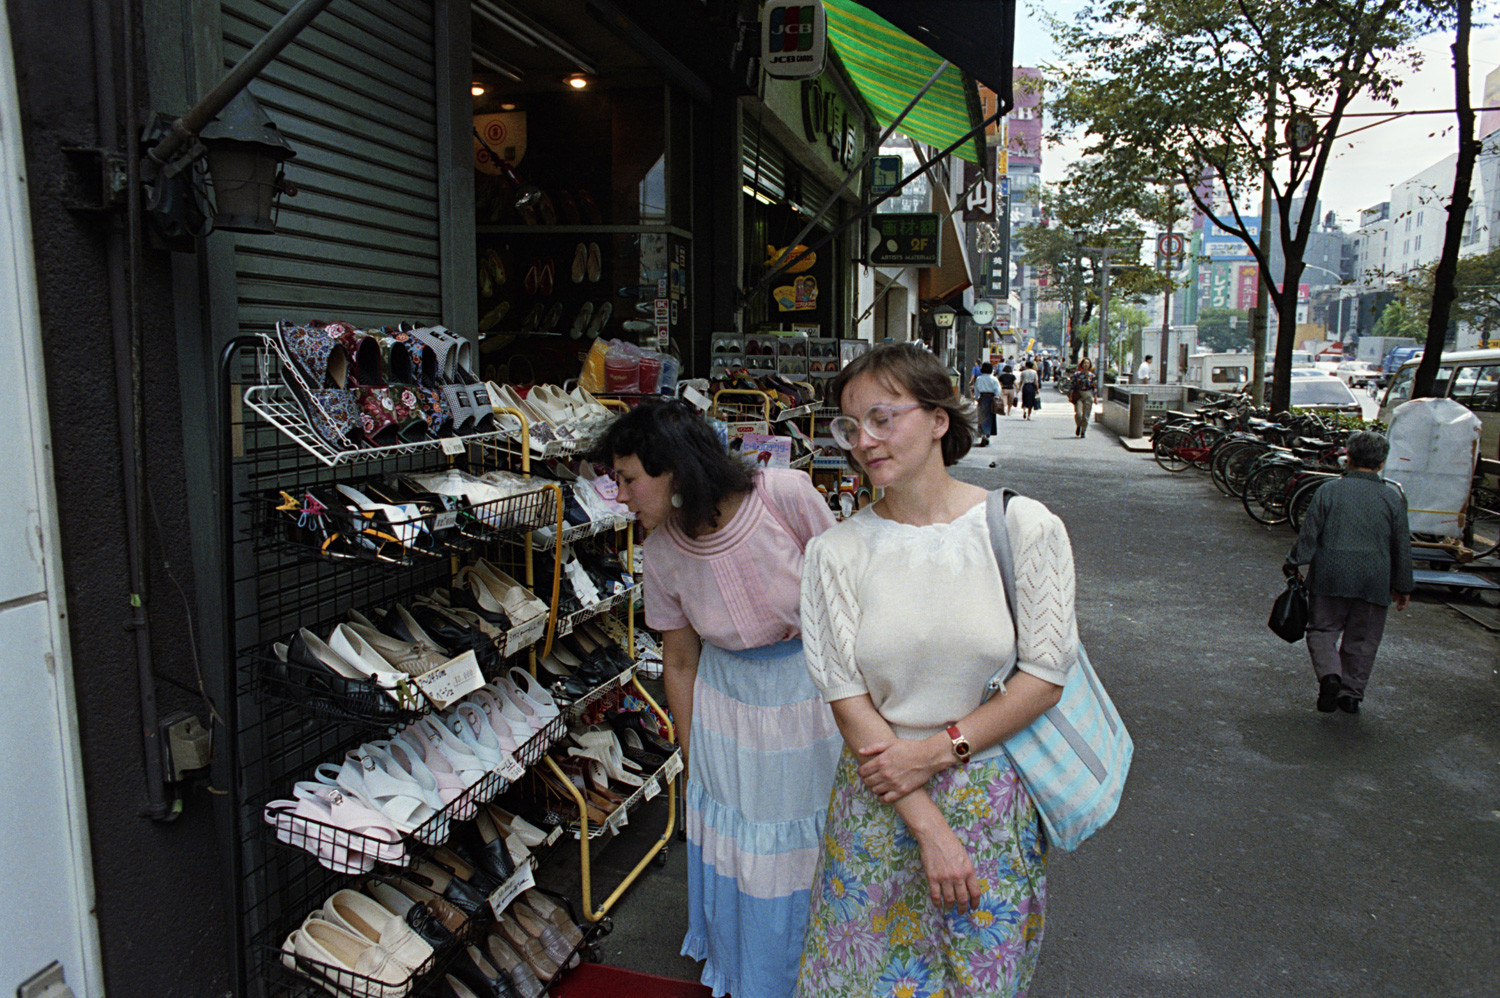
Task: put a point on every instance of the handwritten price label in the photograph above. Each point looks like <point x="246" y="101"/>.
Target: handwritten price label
<point x="507" y="892"/>
<point x="453" y="679"/>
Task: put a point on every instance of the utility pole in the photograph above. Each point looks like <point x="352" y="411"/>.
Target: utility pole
<point x="1166" y="300"/>
<point x="1260" y="319"/>
<point x="1104" y="252"/>
<point x="1067" y="354"/>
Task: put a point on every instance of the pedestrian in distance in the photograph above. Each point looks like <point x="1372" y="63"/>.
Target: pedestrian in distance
<point x="1007" y="390"/>
<point x="1356" y="542"/>
<point x="1030" y="383"/>
<point x="932" y="876"/>
<point x="986" y="388"/>
<point x="722" y="583"/>
<point x="1081" y="389"/>
<point x="1143" y="373"/>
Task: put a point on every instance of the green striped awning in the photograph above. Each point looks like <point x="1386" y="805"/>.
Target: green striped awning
<point x="889" y="67"/>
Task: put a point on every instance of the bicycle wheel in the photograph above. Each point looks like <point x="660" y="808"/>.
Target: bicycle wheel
<point x="1203" y="439"/>
<point x="1482" y="528"/>
<point x="1265" y="497"/>
<point x="1218" y="463"/>
<point x="1167" y="450"/>
<point x="1302" y="497"/>
<point x="1238" y="469"/>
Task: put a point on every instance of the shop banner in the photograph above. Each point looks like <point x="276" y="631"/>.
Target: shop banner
<point x="905" y="239"/>
<point x="1249" y="278"/>
<point x="981" y="190"/>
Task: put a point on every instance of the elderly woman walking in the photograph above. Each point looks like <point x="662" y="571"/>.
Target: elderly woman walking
<point x="1356" y="540"/>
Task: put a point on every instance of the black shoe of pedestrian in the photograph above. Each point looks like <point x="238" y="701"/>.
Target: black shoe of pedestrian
<point x="1348" y="704"/>
<point x="1328" y="693"/>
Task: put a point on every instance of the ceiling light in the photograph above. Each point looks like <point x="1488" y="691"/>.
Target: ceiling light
<point x="477" y="90"/>
<point x="577" y="81"/>
<point x="507" y="106"/>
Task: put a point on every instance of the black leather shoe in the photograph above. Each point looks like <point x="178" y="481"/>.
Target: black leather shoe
<point x="1348" y="704"/>
<point x="483" y="977"/>
<point x="1328" y="693"/>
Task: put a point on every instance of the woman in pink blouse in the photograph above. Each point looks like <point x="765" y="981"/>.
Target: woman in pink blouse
<point x="722" y="583"/>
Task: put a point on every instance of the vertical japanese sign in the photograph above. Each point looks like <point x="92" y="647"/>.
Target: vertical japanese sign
<point x="1249" y="275"/>
<point x="980" y="190"/>
<point x="999" y="273"/>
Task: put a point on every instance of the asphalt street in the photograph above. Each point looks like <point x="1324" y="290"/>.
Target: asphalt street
<point x="1261" y="848"/>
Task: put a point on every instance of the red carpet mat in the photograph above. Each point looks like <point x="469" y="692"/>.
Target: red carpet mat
<point x="595" y="980"/>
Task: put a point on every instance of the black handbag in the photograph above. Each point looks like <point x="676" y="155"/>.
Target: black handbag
<point x="1289" y="612"/>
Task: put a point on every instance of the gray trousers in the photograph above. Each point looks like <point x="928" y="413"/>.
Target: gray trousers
<point x="1361" y="625"/>
<point x="1083" y="411"/>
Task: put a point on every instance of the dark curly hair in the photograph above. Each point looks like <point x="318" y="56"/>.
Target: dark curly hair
<point x="673" y="437"/>
<point x="914" y="369"/>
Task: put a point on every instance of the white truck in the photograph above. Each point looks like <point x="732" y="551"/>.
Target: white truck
<point x="1372" y="349"/>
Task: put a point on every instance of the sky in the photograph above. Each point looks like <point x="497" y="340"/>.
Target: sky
<point x="1366" y="165"/>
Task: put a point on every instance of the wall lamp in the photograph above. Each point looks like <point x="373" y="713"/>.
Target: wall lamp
<point x="243" y="147"/>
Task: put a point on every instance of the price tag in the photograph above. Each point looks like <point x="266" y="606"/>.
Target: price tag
<point x="553" y="836"/>
<point x="453" y="679"/>
<point x="526" y="635"/>
<point x="673" y="766"/>
<point x="697" y="398"/>
<point x="445" y="521"/>
<point x="512" y="770"/>
<point x="652" y="788"/>
<point x="452" y="446"/>
<point x="507" y="892"/>
<point x="616" y="820"/>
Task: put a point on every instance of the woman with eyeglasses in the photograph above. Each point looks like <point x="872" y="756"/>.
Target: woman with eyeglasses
<point x="933" y="870"/>
<point x="723" y="570"/>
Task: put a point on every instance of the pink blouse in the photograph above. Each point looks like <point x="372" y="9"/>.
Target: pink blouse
<point x="739" y="587"/>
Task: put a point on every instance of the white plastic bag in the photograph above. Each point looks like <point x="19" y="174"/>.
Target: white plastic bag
<point x="1434" y="446"/>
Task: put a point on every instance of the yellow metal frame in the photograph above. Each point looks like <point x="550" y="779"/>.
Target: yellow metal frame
<point x="585" y="858"/>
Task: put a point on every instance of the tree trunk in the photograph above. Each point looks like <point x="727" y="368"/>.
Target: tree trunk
<point x="1443" y="291"/>
<point x="1285" y="304"/>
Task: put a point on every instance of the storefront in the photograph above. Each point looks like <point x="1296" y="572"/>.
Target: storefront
<point x="537" y="177"/>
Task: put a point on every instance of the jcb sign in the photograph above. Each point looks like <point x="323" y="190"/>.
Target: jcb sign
<point x="793" y="39"/>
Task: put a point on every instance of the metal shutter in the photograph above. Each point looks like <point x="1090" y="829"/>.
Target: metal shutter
<point x="355" y="95"/>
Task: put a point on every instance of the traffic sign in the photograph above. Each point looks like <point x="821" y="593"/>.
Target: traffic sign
<point x="1171" y="245"/>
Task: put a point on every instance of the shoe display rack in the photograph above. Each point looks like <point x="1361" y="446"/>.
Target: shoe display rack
<point x="301" y="569"/>
<point x="616" y="614"/>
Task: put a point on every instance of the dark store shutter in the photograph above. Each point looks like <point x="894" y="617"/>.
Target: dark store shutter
<point x="354" y="94"/>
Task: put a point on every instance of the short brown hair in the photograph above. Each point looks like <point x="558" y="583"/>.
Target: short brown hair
<point x="917" y="372"/>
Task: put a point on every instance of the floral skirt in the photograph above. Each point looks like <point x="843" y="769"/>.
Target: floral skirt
<point x="874" y="931"/>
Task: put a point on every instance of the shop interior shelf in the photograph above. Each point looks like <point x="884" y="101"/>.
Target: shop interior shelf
<point x="798" y="412"/>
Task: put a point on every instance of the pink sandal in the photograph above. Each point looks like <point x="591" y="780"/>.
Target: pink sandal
<point x="344" y="835"/>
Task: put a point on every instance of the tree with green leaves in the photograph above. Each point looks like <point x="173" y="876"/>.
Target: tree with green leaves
<point x="1083" y="214"/>
<point x="1400" y="319"/>
<point x="1224" y="330"/>
<point x="1476" y="296"/>
<point x="1197" y="92"/>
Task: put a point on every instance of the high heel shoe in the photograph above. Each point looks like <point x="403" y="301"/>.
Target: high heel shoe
<point x="513" y="824"/>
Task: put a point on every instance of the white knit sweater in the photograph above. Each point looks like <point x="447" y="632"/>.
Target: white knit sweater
<point x="915" y="616"/>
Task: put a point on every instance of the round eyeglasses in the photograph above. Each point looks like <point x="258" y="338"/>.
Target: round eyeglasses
<point x="879" y="421"/>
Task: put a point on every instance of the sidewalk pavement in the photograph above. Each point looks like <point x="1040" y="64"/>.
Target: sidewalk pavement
<point x="1261" y="848"/>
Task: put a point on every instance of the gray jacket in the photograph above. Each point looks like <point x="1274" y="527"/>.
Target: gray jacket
<point x="1356" y="537"/>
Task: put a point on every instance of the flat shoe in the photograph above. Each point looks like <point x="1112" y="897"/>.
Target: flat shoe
<point x="1328" y="693"/>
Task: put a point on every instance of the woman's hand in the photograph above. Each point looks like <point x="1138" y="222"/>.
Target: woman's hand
<point x="951" y="880"/>
<point x="896" y="767"/>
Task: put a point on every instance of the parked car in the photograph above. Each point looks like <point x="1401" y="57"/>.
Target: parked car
<point x="1312" y="389"/>
<point x="1358" y="373"/>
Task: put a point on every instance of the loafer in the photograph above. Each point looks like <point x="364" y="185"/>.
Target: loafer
<point x="483" y="978"/>
<point x="1349" y="704"/>
<point x="1328" y="693"/>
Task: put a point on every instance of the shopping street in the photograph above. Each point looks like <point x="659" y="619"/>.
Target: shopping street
<point x="1261" y="848"/>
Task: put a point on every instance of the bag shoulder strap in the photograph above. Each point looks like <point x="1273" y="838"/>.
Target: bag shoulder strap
<point x="1000" y="543"/>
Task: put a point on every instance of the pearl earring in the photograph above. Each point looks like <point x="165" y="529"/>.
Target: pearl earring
<point x="676" y="500"/>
